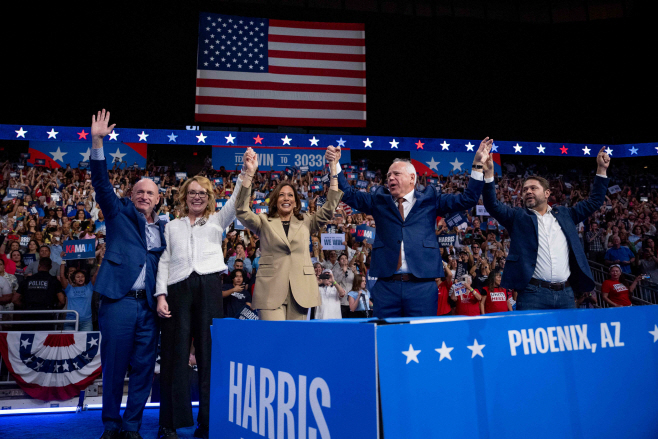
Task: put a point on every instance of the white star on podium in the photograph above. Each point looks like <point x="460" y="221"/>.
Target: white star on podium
<point x="444" y="351"/>
<point x="654" y="333"/>
<point x="476" y="348"/>
<point x="411" y="354"/>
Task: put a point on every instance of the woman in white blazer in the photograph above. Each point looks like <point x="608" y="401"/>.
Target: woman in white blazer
<point x="189" y="295"/>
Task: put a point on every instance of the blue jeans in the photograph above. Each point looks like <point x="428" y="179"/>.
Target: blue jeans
<point x="536" y="297"/>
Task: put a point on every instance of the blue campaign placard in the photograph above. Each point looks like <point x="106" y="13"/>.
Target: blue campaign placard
<point x="83" y="165"/>
<point x="446" y="241"/>
<point x="455" y="220"/>
<point x="362" y="184"/>
<point x="39" y="162"/>
<point x="261" y="209"/>
<point x="315" y="187"/>
<point x="277" y="159"/>
<point x="237" y="225"/>
<point x="351" y="175"/>
<point x="218" y="181"/>
<point x="15" y="192"/>
<point x="370" y="174"/>
<point x="79" y="249"/>
<point x="365" y="233"/>
<point x="286" y="384"/>
<point x="304" y="207"/>
<point x="559" y="374"/>
<point x="219" y="203"/>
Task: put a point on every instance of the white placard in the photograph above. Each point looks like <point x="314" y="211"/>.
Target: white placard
<point x="614" y="189"/>
<point x="332" y="241"/>
<point x="480" y="210"/>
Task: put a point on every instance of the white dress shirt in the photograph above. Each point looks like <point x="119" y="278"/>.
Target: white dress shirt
<point x="553" y="251"/>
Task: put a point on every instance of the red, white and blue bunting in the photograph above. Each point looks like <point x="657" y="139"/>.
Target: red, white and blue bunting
<point x="137" y="139"/>
<point x="52" y="366"/>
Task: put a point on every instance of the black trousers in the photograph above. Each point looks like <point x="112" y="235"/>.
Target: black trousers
<point x="193" y="304"/>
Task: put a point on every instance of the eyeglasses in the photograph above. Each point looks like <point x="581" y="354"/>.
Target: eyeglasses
<point x="202" y="194"/>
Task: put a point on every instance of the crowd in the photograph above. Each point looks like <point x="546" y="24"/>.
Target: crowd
<point x="57" y="205"/>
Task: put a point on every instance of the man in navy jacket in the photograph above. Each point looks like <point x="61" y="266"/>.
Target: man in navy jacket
<point x="546" y="261"/>
<point x="126" y="282"/>
<point x="405" y="255"/>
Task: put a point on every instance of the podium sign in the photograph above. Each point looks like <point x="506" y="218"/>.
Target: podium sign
<point x="564" y="374"/>
<point x="296" y="379"/>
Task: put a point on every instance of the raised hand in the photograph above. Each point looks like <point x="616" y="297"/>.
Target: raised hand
<point x="250" y="160"/>
<point x="99" y="123"/>
<point x="602" y="161"/>
<point x="482" y="153"/>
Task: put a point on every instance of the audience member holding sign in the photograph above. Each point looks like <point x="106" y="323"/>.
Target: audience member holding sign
<point x="406" y="220"/>
<point x="285" y="283"/>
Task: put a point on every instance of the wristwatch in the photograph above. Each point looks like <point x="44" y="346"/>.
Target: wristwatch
<point x="477" y="167"/>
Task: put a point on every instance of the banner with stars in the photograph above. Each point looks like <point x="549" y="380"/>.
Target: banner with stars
<point x="60" y="154"/>
<point x="138" y="139"/>
<point x="432" y="163"/>
<point x="52" y="367"/>
<point x="558" y="374"/>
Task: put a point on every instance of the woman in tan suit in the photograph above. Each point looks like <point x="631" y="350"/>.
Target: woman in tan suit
<point x="285" y="284"/>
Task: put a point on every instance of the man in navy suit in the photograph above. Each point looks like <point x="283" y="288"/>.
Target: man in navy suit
<point x="546" y="261"/>
<point x="126" y="282"/>
<point x="405" y="255"/>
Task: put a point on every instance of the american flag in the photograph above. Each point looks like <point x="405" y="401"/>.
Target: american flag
<point x="277" y="72"/>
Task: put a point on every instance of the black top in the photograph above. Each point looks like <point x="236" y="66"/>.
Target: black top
<point x="286" y="226"/>
<point x="40" y="291"/>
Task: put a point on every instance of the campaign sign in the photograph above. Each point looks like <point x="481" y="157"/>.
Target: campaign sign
<point x="39" y="162"/>
<point x="320" y="202"/>
<point x="257" y="201"/>
<point x="303" y="170"/>
<point x="235" y="179"/>
<point x="315" y="187"/>
<point x="332" y="241"/>
<point x="261" y="209"/>
<point x="361" y="184"/>
<point x="219" y="203"/>
<point x="562" y="363"/>
<point x="317" y="179"/>
<point x="80" y="249"/>
<point x="614" y="189"/>
<point x="455" y="220"/>
<point x="25" y="240"/>
<point x="237" y="225"/>
<point x="481" y="210"/>
<point x="83" y="165"/>
<point x="304" y="207"/>
<point x="370" y="174"/>
<point x="325" y="179"/>
<point x="156" y="180"/>
<point x="274" y="176"/>
<point x="446" y="241"/>
<point x="181" y="175"/>
<point x="260" y="195"/>
<point x="218" y="181"/>
<point x="25" y="155"/>
<point x="14" y="192"/>
<point x="351" y="175"/>
<point x="272" y="389"/>
<point x="365" y="233"/>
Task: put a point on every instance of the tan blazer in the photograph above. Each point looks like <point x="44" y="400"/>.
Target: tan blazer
<point x="285" y="260"/>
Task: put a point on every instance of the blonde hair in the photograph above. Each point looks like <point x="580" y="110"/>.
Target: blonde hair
<point x="181" y="201"/>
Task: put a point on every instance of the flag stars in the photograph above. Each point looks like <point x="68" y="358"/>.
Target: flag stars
<point x="586" y="150"/>
<point x="608" y="151"/>
<point x="469" y="146"/>
<point x="517" y="148"/>
<point x="201" y="138"/>
<point x="172" y="137"/>
<point x="82" y="135"/>
<point x="445" y="145"/>
<point x="368" y="143"/>
<point x="633" y="150"/>
<point x="258" y="139"/>
<point x="411" y="354"/>
<point x="541" y="149"/>
<point x="341" y="142"/>
<point x="52" y="134"/>
<point x="419" y="144"/>
<point x="432" y="164"/>
<point x="20" y="133"/>
<point x="564" y="149"/>
<point x="230" y="139"/>
<point x="314" y="141"/>
<point x="654" y="333"/>
<point x="394" y="144"/>
<point x="286" y="140"/>
<point x="143" y="136"/>
<point x="456" y="165"/>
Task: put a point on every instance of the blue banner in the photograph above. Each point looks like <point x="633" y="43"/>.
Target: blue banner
<point x="60" y="154"/>
<point x="287" y="384"/>
<point x="15" y="192"/>
<point x="79" y="249"/>
<point x="365" y="233"/>
<point x="559" y="374"/>
<point x="432" y="163"/>
<point x="219" y="203"/>
<point x="277" y="159"/>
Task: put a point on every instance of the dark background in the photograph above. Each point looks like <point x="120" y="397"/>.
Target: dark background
<point x="564" y="71"/>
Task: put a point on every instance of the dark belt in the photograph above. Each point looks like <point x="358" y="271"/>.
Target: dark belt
<point x="137" y="294"/>
<point x="555" y="286"/>
<point x="406" y="277"/>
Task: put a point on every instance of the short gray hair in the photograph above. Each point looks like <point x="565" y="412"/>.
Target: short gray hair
<point x="409" y="166"/>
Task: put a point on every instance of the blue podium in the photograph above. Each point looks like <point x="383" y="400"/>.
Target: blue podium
<point x="563" y="374"/>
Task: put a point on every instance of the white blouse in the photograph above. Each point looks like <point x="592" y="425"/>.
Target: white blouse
<point x="197" y="248"/>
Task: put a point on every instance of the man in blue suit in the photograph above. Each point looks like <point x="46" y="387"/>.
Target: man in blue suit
<point x="405" y="255"/>
<point x="546" y="261"/>
<point x="126" y="282"/>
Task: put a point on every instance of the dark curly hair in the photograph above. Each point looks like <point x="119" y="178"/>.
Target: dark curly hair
<point x="274" y="199"/>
